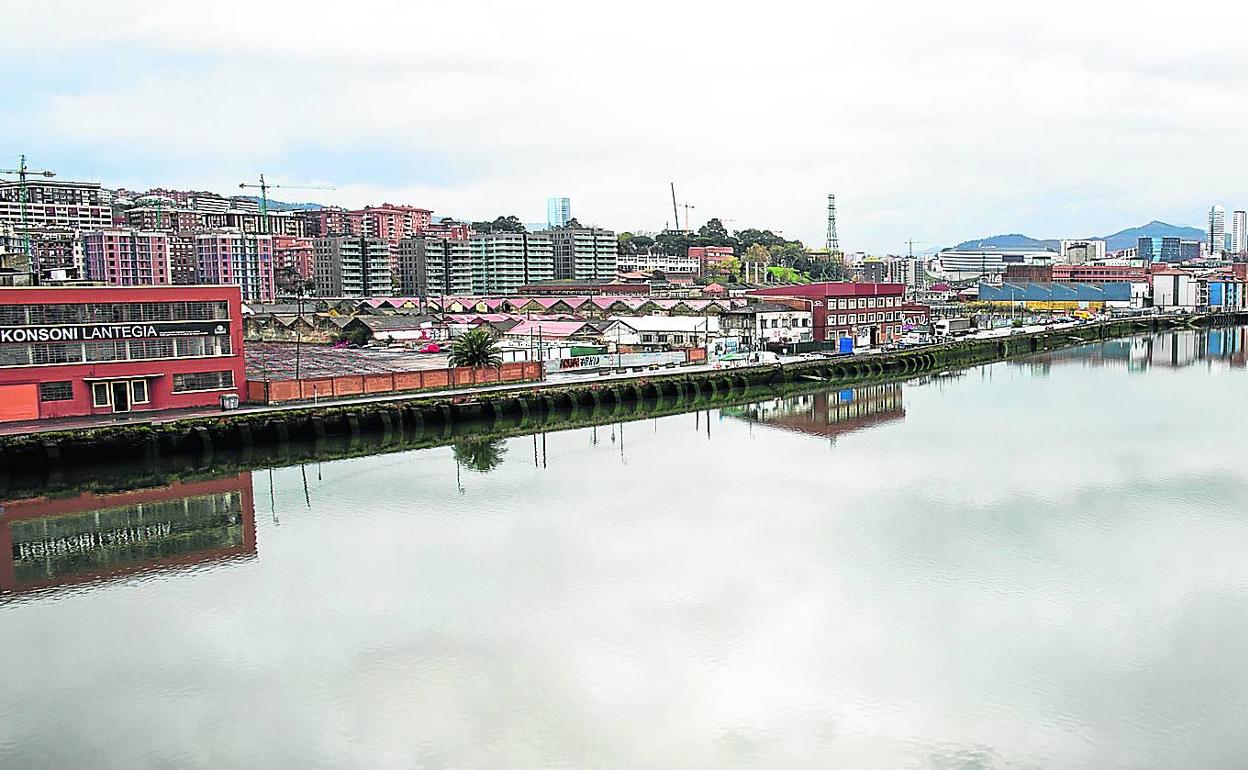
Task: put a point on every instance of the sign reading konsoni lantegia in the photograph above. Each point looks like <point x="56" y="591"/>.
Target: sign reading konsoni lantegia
<point x="89" y="332"/>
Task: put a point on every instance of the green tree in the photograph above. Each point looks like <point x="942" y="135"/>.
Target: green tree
<point x="750" y="236"/>
<point x="503" y="224"/>
<point x="756" y="253"/>
<point x="787" y="254"/>
<point x="479" y="454"/>
<point x="509" y="224"/>
<point x="730" y="268"/>
<point x="715" y="230"/>
<point x="477" y="349"/>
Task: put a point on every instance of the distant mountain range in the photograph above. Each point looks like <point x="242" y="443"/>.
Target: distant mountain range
<point x="1120" y="240"/>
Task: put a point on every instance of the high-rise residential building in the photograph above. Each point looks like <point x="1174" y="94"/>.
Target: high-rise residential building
<point x="431" y="267"/>
<point x="1216" y="231"/>
<point x="145" y="215"/>
<point x="584" y="253"/>
<point x="52" y="204"/>
<point x="352" y="266"/>
<point x="558" y="212"/>
<point x="294" y="255"/>
<point x="183" y="259"/>
<point x="239" y="259"/>
<point x="324" y="222"/>
<point x="274" y="223"/>
<point x="54" y="252"/>
<point x="1082" y="252"/>
<point x="503" y="262"/>
<point x="122" y="256"/>
<point x="1239" y="232"/>
<point x="449" y="228"/>
<point x="390" y="222"/>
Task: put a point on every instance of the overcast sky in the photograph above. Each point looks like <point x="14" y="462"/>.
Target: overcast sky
<point x="934" y="121"/>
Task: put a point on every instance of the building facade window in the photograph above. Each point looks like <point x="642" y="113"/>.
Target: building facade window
<point x="138" y="392"/>
<point x="100" y="394"/>
<point x="193" y="381"/>
<point x="56" y="391"/>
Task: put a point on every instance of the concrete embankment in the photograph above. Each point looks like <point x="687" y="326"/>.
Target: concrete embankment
<point x="256" y="439"/>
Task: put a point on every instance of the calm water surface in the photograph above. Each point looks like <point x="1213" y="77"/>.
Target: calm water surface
<point x="1038" y="564"/>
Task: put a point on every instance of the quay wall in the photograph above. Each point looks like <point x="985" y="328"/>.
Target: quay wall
<point x="201" y="439"/>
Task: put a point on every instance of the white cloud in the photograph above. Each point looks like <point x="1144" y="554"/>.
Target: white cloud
<point x="940" y="122"/>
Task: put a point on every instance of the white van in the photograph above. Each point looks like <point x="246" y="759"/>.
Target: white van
<point x="764" y="357"/>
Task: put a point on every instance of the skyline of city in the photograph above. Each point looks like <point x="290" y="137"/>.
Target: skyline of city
<point x="559" y="208"/>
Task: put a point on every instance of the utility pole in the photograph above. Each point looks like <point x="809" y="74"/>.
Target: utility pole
<point x="22" y="171"/>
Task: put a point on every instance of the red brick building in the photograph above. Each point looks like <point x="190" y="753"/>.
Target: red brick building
<point x="73" y="351"/>
<point x="293" y="252"/>
<point x="870" y="312"/>
<point x="48" y="542"/>
<point x="1099" y="274"/>
<point x="710" y="257"/>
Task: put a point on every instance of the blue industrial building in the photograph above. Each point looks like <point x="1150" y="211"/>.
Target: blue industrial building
<point x="1056" y="292"/>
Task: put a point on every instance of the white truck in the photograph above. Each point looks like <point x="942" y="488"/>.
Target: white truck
<point x="948" y="328"/>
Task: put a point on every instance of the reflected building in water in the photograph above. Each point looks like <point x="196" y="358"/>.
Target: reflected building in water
<point x="1174" y="350"/>
<point x="828" y="414"/>
<point x="51" y="542"/>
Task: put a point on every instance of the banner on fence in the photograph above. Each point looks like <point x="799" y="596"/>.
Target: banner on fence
<point x="611" y="360"/>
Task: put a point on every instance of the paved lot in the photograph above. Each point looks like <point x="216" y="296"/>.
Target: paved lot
<point x="276" y="361"/>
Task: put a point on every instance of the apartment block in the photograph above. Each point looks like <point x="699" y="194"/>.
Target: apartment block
<point x="127" y="257"/>
<point x="238" y="259"/>
<point x="389" y="222"/>
<point x="273" y="223"/>
<point x="648" y="262"/>
<point x="183" y="259"/>
<point x="324" y="222"/>
<point x="51" y="204"/>
<point x="584" y="253"/>
<point x="352" y="266"/>
<point x="433" y="267"/>
<point x="503" y="262"/>
<point x="293" y="253"/>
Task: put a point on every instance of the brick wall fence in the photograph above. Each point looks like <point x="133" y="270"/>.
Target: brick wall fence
<point x="279" y="391"/>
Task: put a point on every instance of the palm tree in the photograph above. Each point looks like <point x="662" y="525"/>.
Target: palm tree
<point x="477" y="349"/>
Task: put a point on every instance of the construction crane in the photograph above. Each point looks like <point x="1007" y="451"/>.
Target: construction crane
<point x="22" y="171"/>
<point x="675" y="210"/>
<point x="264" y="188"/>
<point x="910" y="246"/>
<point x="687" y="206"/>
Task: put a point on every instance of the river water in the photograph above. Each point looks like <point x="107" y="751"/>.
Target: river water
<point x="1033" y="564"/>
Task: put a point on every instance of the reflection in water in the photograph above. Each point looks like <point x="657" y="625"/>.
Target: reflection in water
<point x="920" y="596"/>
<point x="828" y="414"/>
<point x="479" y="454"/>
<point x="1175" y="350"/>
<point x="65" y="541"/>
